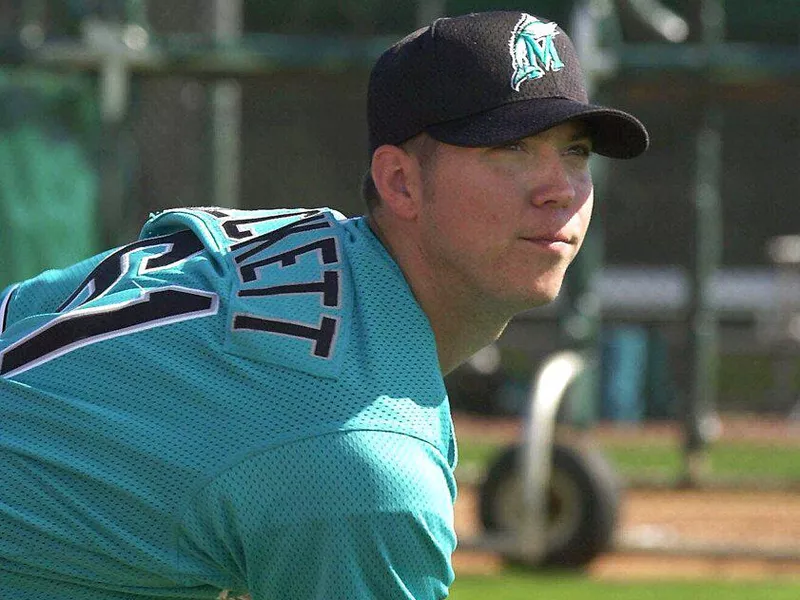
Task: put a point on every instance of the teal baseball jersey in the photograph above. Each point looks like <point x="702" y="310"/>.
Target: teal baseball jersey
<point x="238" y="402"/>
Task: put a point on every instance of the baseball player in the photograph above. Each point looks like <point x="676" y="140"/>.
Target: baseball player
<point x="252" y="401"/>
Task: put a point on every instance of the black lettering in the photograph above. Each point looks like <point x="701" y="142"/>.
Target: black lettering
<point x="81" y="328"/>
<point x="234" y="228"/>
<point x="220" y="213"/>
<point x="262" y="242"/>
<point x="322" y="336"/>
<point x="325" y="246"/>
<point x="180" y="245"/>
<point x="328" y="287"/>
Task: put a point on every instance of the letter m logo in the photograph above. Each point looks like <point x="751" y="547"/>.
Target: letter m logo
<point x="533" y="50"/>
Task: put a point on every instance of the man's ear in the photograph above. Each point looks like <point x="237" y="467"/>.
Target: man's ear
<point x="398" y="180"/>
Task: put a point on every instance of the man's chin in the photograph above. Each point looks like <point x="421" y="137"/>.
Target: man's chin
<point x="537" y="298"/>
<point x="528" y="295"/>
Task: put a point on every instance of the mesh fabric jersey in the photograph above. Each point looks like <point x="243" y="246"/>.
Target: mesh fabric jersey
<point x="240" y="400"/>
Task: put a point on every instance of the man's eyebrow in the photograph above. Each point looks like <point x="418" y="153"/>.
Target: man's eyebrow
<point x="581" y="133"/>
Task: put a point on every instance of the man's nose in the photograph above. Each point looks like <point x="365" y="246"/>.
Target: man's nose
<point x="551" y="180"/>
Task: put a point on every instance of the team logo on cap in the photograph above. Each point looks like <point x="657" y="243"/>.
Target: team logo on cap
<point x="533" y="50"/>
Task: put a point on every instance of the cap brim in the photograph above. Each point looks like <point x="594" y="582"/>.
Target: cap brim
<point x="614" y="133"/>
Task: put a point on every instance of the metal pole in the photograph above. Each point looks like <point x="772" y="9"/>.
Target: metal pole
<point x="548" y="388"/>
<point x="699" y="416"/>
<point x="113" y="94"/>
<point x="579" y="308"/>
<point x="226" y="102"/>
<point x="784" y="253"/>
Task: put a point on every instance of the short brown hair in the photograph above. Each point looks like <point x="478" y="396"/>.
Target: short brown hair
<point x="422" y="146"/>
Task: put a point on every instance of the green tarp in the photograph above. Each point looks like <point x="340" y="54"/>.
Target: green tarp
<point x="48" y="182"/>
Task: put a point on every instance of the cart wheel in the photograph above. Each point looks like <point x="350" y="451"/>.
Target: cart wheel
<point x="582" y="503"/>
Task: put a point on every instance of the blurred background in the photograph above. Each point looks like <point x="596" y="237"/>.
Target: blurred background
<point x="686" y="299"/>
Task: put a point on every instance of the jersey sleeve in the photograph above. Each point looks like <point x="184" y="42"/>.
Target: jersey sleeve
<point x="362" y="514"/>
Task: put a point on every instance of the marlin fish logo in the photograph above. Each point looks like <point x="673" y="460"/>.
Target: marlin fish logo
<point x="533" y="50"/>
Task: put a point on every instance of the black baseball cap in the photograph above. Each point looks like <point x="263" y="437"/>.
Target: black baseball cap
<point x="484" y="79"/>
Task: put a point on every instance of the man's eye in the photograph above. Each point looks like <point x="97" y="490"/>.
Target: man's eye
<point x="517" y="146"/>
<point x="580" y="150"/>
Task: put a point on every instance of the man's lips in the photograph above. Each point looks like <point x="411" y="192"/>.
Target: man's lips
<point x="547" y="239"/>
<point x="557" y="244"/>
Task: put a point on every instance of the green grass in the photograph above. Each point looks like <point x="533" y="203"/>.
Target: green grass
<point x="525" y="586"/>
<point x="728" y="459"/>
<point x="476" y="454"/>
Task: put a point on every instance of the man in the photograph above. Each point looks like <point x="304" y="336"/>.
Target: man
<point x="252" y="401"/>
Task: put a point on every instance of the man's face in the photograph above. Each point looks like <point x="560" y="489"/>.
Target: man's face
<point x="502" y="224"/>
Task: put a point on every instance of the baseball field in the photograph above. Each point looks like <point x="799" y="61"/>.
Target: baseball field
<point x="520" y="586"/>
<point x="736" y="535"/>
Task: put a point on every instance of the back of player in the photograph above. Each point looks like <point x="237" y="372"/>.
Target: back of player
<point x="240" y="400"/>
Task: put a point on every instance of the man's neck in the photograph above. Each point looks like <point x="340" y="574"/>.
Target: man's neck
<point x="460" y="335"/>
<point x="461" y="325"/>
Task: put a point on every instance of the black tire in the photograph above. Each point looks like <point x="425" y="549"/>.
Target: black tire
<point x="583" y="503"/>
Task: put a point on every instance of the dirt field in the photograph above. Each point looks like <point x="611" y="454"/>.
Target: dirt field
<point x="670" y="533"/>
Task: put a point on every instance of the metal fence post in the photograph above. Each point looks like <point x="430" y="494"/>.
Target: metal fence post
<point x="699" y="414"/>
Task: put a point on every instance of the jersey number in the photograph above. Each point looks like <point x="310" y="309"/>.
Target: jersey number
<point x="77" y="325"/>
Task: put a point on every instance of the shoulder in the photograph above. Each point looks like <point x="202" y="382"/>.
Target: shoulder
<point x="226" y="230"/>
<point x="259" y="274"/>
<point x="328" y="476"/>
<point x="347" y="508"/>
<point x="288" y="290"/>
